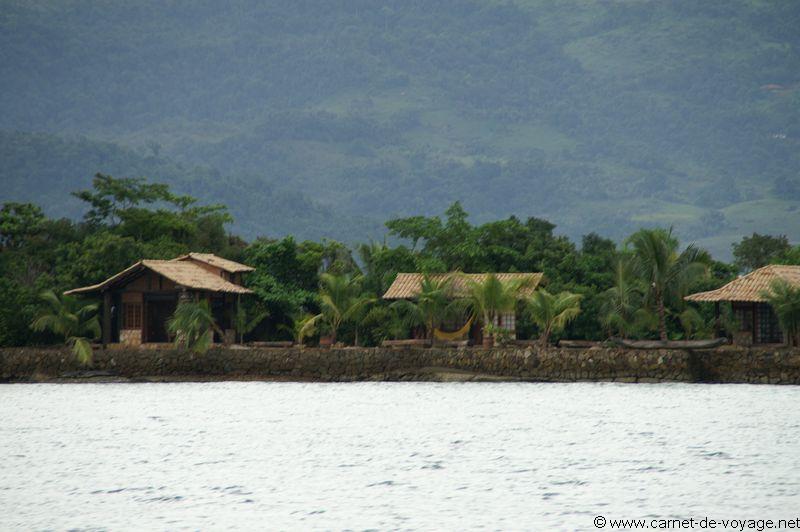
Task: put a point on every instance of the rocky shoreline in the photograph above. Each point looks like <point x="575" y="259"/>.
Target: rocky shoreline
<point x="763" y="365"/>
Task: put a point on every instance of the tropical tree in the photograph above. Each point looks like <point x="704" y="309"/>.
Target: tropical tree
<point x="244" y="323"/>
<point x="552" y="312"/>
<point x="193" y="326"/>
<point x="667" y="274"/>
<point x="431" y="306"/>
<point x="785" y="301"/>
<point x="299" y="328"/>
<point x="692" y="323"/>
<point x="67" y="317"/>
<point x="492" y="297"/>
<point x="341" y="300"/>
<point x="621" y="302"/>
<point x="384" y="322"/>
<point x="755" y="251"/>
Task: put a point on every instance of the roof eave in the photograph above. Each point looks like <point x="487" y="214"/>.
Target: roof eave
<point x="102" y="286"/>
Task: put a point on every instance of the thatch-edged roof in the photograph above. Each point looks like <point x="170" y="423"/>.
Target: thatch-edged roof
<point x="749" y="288"/>
<point x="407" y="285"/>
<point x="223" y="264"/>
<point x="183" y="273"/>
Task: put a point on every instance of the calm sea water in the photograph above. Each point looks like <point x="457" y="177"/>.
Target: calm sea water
<point x="389" y="456"/>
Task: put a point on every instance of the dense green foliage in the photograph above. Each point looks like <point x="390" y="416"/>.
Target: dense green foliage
<point x="320" y="289"/>
<point x="322" y="119"/>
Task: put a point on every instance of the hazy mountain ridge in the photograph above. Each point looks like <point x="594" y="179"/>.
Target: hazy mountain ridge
<point x="597" y="116"/>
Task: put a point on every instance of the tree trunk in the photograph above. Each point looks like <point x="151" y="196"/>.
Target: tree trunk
<point x="662" y="319"/>
<point x="544" y="338"/>
<point x="105" y="331"/>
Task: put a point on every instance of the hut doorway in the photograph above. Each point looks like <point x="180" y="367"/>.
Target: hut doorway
<point x="158" y="309"/>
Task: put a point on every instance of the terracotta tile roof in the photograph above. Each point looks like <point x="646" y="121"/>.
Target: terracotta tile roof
<point x="749" y="287"/>
<point x="407" y="285"/>
<point x="225" y="264"/>
<point x="184" y="273"/>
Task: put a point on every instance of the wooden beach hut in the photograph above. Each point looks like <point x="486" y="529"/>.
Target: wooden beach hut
<point x="138" y="301"/>
<point x="756" y="319"/>
<point x="407" y="286"/>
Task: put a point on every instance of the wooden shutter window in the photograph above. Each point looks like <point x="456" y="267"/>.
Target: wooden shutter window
<point x="132" y="315"/>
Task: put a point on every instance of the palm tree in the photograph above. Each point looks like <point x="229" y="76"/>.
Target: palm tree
<point x="299" y="328"/>
<point x="244" y="323"/>
<point x="385" y="322"/>
<point x="431" y="306"/>
<point x="193" y="325"/>
<point x="553" y="312"/>
<point x="492" y="298"/>
<point x="67" y="317"/>
<point x="785" y="301"/>
<point x="693" y="323"/>
<point x="340" y="301"/>
<point x="620" y="302"/>
<point x="667" y="273"/>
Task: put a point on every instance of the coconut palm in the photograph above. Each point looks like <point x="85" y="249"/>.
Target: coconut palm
<point x="430" y="307"/>
<point x="385" y="322"/>
<point x="75" y="322"/>
<point x="621" y="301"/>
<point x="785" y="301"/>
<point x="552" y="312"/>
<point x="492" y="297"/>
<point x="341" y="300"/>
<point x="693" y="323"/>
<point x="193" y="326"/>
<point x="244" y="324"/>
<point x="299" y="329"/>
<point x="666" y="273"/>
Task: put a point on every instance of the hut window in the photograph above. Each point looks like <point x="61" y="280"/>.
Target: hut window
<point x="744" y="317"/>
<point x="132" y="315"/>
<point x="769" y="331"/>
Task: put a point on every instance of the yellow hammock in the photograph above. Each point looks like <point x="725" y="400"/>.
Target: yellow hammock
<point x="454" y="335"/>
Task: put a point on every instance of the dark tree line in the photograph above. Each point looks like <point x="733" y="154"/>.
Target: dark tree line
<point x="126" y="220"/>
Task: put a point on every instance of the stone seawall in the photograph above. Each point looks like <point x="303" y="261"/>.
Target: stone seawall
<point x="727" y="364"/>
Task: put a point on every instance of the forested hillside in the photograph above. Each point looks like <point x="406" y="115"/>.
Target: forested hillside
<point x="46" y="169"/>
<point x="325" y="118"/>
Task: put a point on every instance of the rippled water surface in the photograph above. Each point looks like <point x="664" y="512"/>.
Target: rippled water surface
<point x="382" y="456"/>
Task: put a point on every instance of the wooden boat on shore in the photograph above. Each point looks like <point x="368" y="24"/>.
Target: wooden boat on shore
<point x="670" y="344"/>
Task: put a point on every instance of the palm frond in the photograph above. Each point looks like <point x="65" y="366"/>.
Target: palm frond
<point x="81" y="348"/>
<point x="308" y="326"/>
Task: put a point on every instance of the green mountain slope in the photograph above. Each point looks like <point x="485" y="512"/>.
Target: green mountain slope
<point x="45" y="169"/>
<point x="598" y="116"/>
